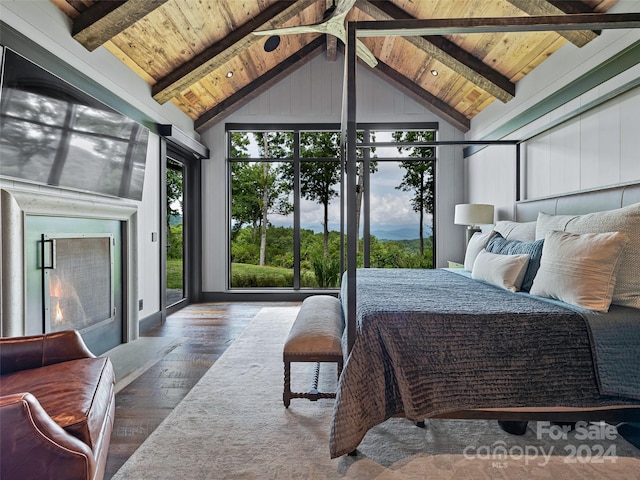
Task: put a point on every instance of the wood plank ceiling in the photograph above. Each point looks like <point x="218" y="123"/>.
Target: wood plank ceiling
<point x="202" y="56"/>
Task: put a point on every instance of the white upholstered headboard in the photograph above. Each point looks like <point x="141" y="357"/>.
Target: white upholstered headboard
<point x="580" y="202"/>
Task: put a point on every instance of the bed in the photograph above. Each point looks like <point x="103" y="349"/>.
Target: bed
<point x="439" y="343"/>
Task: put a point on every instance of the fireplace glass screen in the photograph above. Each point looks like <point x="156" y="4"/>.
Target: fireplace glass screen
<point x="78" y="281"/>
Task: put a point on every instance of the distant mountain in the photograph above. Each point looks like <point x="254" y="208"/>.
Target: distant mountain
<point x="175" y="220"/>
<point x="401" y="233"/>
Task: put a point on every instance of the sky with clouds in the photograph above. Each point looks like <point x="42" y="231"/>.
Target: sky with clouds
<point x="390" y="208"/>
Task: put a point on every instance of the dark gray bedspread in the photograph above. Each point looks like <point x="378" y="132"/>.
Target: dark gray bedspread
<point x="432" y="342"/>
<point x="615" y="341"/>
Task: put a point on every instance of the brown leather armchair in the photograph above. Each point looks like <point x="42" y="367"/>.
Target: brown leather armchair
<point x="57" y="406"/>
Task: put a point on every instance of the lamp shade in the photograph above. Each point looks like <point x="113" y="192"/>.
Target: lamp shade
<point x="473" y="214"/>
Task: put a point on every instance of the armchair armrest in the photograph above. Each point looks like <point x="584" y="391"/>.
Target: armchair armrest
<point x="32" y="443"/>
<point x="22" y="353"/>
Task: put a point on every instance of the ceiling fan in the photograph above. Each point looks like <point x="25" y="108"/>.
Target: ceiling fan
<point x="332" y="24"/>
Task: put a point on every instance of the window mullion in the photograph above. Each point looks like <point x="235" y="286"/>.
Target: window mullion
<point x="366" y="166"/>
<point x="296" y="210"/>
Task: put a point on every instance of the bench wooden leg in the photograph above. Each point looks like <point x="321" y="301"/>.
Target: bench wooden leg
<point x="316" y="380"/>
<point x="312" y="394"/>
<point x="286" y="396"/>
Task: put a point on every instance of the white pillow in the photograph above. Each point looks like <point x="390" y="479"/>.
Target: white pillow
<point x="477" y="242"/>
<point x="580" y="269"/>
<point x="506" y="271"/>
<point x="522" y="231"/>
<point x="624" y="220"/>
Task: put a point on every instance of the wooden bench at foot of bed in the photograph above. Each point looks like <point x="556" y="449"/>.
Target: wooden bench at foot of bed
<point x="315" y="336"/>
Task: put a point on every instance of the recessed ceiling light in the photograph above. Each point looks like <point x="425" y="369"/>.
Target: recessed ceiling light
<point x="229" y="74"/>
<point x="434" y="73"/>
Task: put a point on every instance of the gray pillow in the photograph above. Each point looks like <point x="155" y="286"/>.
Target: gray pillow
<point x="499" y="244"/>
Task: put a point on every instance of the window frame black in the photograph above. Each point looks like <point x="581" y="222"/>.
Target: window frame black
<point x="366" y="145"/>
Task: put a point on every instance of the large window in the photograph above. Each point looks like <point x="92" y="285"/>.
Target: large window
<point x="287" y="218"/>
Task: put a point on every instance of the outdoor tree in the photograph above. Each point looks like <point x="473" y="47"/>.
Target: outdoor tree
<point x="246" y="178"/>
<point x="174" y="202"/>
<point x="245" y="206"/>
<point x="318" y="179"/>
<point x="239" y="145"/>
<point x="259" y="189"/>
<point x="273" y="187"/>
<point x="418" y="174"/>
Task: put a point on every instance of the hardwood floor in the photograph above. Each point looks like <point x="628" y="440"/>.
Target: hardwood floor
<point x="205" y="330"/>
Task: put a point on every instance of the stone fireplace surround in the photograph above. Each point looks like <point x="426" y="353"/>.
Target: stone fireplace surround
<point x="15" y="205"/>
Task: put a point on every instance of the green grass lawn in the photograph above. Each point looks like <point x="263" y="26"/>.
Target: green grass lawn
<point x="174" y="273"/>
<point x="245" y="276"/>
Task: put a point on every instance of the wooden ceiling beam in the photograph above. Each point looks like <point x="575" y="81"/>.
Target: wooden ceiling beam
<point x="332" y="42"/>
<point x="104" y="20"/>
<point x="332" y="48"/>
<point x="420" y="95"/>
<point x="544" y="7"/>
<point x="260" y="85"/>
<point x="220" y="52"/>
<point x="446" y="52"/>
<point x="465" y="26"/>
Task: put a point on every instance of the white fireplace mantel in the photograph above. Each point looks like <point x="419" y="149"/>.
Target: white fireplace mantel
<point x="15" y="205"/>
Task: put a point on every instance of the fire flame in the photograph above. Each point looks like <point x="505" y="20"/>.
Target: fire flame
<point x="55" y="287"/>
<point x="56" y="292"/>
<point x="59" y="318"/>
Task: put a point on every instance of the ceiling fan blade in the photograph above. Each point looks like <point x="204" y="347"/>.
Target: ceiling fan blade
<point x="343" y="7"/>
<point x="316" y="28"/>
<point x="365" y="54"/>
<point x="333" y="26"/>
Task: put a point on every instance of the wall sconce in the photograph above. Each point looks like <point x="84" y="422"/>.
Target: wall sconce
<point x="473" y="215"/>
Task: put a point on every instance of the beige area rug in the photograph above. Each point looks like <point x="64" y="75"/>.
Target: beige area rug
<point x="233" y="425"/>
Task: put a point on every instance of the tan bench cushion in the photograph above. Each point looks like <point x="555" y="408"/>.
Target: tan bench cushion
<point x="317" y="328"/>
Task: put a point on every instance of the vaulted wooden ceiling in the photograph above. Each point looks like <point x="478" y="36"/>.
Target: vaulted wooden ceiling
<point x="202" y="54"/>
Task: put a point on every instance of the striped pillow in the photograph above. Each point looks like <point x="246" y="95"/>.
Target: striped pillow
<point x="500" y="245"/>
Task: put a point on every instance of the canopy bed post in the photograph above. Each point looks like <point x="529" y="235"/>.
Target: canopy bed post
<point x="518" y="173"/>
<point x="351" y="182"/>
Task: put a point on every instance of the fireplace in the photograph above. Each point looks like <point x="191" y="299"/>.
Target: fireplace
<point x="78" y="281"/>
<point x="69" y="262"/>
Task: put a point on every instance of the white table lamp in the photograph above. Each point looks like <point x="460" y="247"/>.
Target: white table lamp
<point x="473" y="215"/>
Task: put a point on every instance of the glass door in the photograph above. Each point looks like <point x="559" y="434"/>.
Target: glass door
<point x="175" y="265"/>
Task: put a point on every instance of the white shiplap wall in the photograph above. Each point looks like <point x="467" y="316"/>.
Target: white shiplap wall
<point x="595" y="149"/>
<point x="313" y="94"/>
